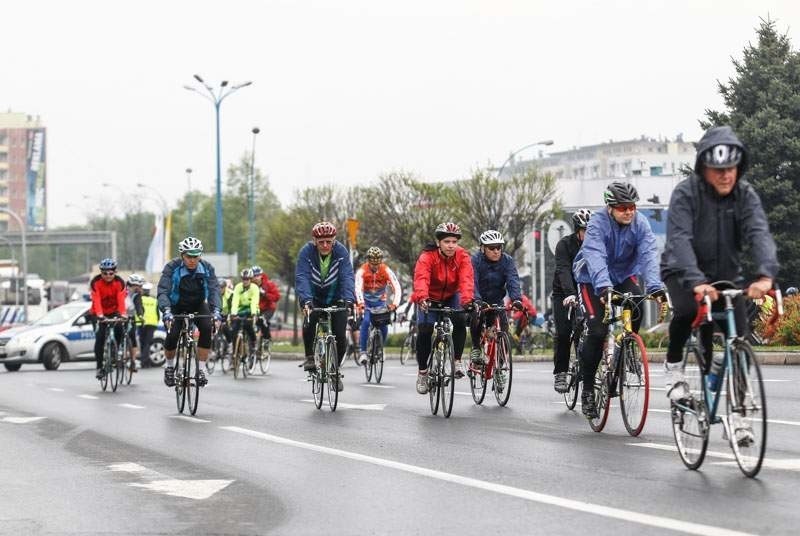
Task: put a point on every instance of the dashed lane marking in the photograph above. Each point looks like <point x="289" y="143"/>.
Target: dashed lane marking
<point x="788" y="464"/>
<point x="89" y="397"/>
<point x="364" y="407"/>
<point x="377" y="386"/>
<point x="160" y="483"/>
<point x="21" y="420"/>
<point x="130" y="406"/>
<point x="188" y="419"/>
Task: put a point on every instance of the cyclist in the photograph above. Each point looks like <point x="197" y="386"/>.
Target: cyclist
<point x="150" y="320"/>
<point x="716" y="198"/>
<point x="244" y="307"/>
<point x="521" y="318"/>
<point x="443" y="276"/>
<point x="565" y="295"/>
<point x="372" y="280"/>
<point x="225" y="296"/>
<point x="108" y="300"/>
<point x="188" y="285"/>
<point x="323" y="278"/>
<point x="135" y="310"/>
<point x="617" y="247"/>
<point x="268" y="300"/>
<point x="495" y="275"/>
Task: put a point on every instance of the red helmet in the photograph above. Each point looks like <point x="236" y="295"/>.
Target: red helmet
<point x="447" y="229"/>
<point x="323" y="229"/>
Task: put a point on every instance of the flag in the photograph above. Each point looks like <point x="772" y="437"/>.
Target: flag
<point x="167" y="238"/>
<point x="155" y="253"/>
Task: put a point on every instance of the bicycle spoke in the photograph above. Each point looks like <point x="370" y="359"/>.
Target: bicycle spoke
<point x="747" y="410"/>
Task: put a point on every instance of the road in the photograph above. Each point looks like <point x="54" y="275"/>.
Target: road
<point x="260" y="459"/>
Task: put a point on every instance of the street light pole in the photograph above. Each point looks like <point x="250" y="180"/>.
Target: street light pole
<point x="189" y="201"/>
<point x="24" y="259"/>
<point x="216" y="99"/>
<point x="251" y="213"/>
<point x="513" y="154"/>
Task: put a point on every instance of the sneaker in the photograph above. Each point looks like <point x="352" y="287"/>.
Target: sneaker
<point x="338" y="386"/>
<point x="422" y="383"/>
<point x="587" y="404"/>
<point x="169" y="376"/>
<point x="458" y="369"/>
<point x="675" y="382"/>
<point x="202" y="381"/>
<point x="362" y="358"/>
<point x="476" y="356"/>
<point x="99" y="374"/>
<point x="309" y="364"/>
<point x="560" y="382"/>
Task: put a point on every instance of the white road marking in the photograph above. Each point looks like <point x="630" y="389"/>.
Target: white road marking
<point x="56" y="389"/>
<point x="377" y="386"/>
<point x="789" y="464"/>
<point x="414" y="374"/>
<point x="777" y="380"/>
<point x="542" y="498"/>
<point x="160" y="483"/>
<point x="89" y="397"/>
<point x="187" y="418"/>
<point x="772" y="421"/>
<point x="462" y="393"/>
<point x="130" y="406"/>
<point x="344" y="405"/>
<point x="21" y="420"/>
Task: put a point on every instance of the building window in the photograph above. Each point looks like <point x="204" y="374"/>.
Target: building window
<point x="656" y="170"/>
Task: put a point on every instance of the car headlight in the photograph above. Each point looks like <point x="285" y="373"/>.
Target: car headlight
<point x="25" y="340"/>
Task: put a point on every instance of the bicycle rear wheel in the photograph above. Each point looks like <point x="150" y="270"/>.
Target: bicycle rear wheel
<point x="370" y="357"/>
<point x="504" y="369"/>
<point x="573" y="375"/>
<point x="434" y="378"/>
<point x="448" y="377"/>
<point x="238" y="354"/>
<point x="190" y="374"/>
<point x="690" y="417"/>
<point x="225" y="357"/>
<point x="127" y="373"/>
<point x="266" y="356"/>
<point x="332" y="367"/>
<point x="601" y="399"/>
<point x="634" y="384"/>
<point x="254" y="358"/>
<point x="180" y="385"/>
<point x="316" y="375"/>
<point x="406" y="350"/>
<point x="477" y="381"/>
<point x="747" y="410"/>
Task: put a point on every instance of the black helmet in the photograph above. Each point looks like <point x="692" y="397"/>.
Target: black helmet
<point x="580" y="220"/>
<point x="721" y="156"/>
<point x="620" y="193"/>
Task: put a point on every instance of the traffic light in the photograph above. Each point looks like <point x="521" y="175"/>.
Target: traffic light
<point x="537" y="235"/>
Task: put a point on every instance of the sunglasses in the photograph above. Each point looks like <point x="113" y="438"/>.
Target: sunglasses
<point x="625" y="208"/>
<point x="108" y="272"/>
<point x="494" y="247"/>
<point x="324" y="242"/>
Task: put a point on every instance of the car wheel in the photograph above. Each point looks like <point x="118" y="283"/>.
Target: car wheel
<point x="12" y="367"/>
<point x="52" y="354"/>
<point x="157" y="352"/>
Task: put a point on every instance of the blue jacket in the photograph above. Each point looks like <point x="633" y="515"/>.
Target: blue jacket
<point x="169" y="284"/>
<point x="493" y="279"/>
<point x="338" y="285"/>
<point x="611" y="253"/>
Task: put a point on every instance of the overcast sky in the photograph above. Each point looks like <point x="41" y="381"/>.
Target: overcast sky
<point x="344" y="90"/>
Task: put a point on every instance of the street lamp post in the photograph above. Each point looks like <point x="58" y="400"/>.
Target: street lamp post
<point x="24" y="259"/>
<point x="14" y="259"/>
<point x="216" y="99"/>
<point x="251" y="212"/>
<point x="189" y="201"/>
<point x="513" y="154"/>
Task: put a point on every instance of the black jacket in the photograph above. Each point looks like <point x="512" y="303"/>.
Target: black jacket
<point x="563" y="282"/>
<point x="706" y="233"/>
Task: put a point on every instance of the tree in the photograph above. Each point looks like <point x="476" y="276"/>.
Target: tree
<point x="763" y="107"/>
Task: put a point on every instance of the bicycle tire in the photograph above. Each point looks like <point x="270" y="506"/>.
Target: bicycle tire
<point x="477" y="382"/>
<point x="370" y="354"/>
<point x="405" y="350"/>
<point x="114" y="371"/>
<point x="434" y="379"/>
<point x="504" y="365"/>
<point x="127" y="372"/>
<point x="216" y="352"/>
<point x="180" y="386"/>
<point x="245" y="358"/>
<point x="226" y="357"/>
<point x="634" y="384"/>
<point x="237" y="355"/>
<point x="448" y="378"/>
<point x="104" y="377"/>
<point x="746" y="402"/>
<point x="266" y="356"/>
<point x="573" y="375"/>
<point x="332" y="368"/>
<point x="377" y="364"/>
<point x="601" y="399"/>
<point x="254" y="358"/>
<point x="690" y="426"/>
<point x="192" y="385"/>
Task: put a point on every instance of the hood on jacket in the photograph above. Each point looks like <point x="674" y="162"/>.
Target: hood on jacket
<point x="716" y="136"/>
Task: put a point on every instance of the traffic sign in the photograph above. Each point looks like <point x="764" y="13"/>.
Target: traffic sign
<point x="558" y="229"/>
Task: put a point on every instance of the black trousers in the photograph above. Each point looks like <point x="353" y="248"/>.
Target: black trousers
<point x="485" y="319"/>
<point x="563" y="336"/>
<point x="245" y="323"/>
<point x="100" y="340"/>
<point x="146" y="338"/>
<point x="203" y="325"/>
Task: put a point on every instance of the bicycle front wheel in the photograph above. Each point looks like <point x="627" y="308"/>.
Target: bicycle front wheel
<point x="370" y="356"/>
<point x="190" y="373"/>
<point x="448" y="377"/>
<point x="477" y="381"/>
<point x="129" y="362"/>
<point x="634" y="384"/>
<point x="266" y="356"/>
<point x="114" y="371"/>
<point x="332" y="367"/>
<point x="503" y="370"/>
<point x="317" y="374"/>
<point x="434" y="378"/>
<point x="690" y="417"/>
<point x="377" y="363"/>
<point x="406" y="350"/>
<point x="254" y="358"/>
<point x="238" y="355"/>
<point x="180" y="386"/>
<point x="601" y="399"/>
<point x="573" y="376"/>
<point x="747" y="410"/>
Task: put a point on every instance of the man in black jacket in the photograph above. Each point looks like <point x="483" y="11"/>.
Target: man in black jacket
<point x="565" y="296"/>
<point x="713" y="215"/>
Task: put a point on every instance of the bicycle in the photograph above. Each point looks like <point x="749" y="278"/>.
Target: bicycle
<point x="220" y="350"/>
<point x="113" y="366"/>
<point x="441" y="367"/>
<point x="575" y="370"/>
<point x="187" y="365"/>
<point x="379" y="316"/>
<point x="350" y="336"/>
<point x="128" y="360"/>
<point x="496" y="345"/>
<point x="409" y="347"/>
<point x="623" y="371"/>
<point x="745" y="418"/>
<point x="326" y="372"/>
<point x="263" y="352"/>
<point x="242" y="356"/>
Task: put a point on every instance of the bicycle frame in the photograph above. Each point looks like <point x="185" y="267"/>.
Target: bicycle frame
<point x="489" y="340"/>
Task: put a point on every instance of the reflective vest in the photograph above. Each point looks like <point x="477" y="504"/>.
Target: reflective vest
<point x="150" y="305"/>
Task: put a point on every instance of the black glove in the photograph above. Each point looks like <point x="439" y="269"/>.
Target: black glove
<point x="517" y="305"/>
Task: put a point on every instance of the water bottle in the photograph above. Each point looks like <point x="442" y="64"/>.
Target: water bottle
<point x="712" y="379"/>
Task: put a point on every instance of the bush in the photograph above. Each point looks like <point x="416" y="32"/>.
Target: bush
<point x="786" y="331"/>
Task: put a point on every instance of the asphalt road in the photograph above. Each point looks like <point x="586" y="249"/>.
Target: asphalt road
<point x="260" y="458"/>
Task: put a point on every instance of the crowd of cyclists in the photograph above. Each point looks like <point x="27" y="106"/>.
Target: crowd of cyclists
<point x="714" y="217"/>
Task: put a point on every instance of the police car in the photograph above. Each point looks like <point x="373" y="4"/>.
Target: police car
<point x="63" y="334"/>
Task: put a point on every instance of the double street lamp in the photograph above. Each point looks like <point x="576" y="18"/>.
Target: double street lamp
<point x="251" y="204"/>
<point x="513" y="154"/>
<point x="189" y="200"/>
<point x="216" y="98"/>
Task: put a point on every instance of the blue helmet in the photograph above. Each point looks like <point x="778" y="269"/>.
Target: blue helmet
<point x="108" y="264"/>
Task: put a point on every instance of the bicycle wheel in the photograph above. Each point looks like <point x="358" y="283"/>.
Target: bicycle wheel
<point x="690" y="417"/>
<point x="127" y="372"/>
<point x="104" y="377"/>
<point x="434" y="378"/>
<point x="370" y="357"/>
<point x="238" y="354"/>
<point x="332" y="367"/>
<point x="180" y="385"/>
<point x="216" y="352"/>
<point x="246" y="357"/>
<point x="316" y="376"/>
<point x="114" y="370"/>
<point x="573" y="376"/>
<point x="601" y="399"/>
<point x="747" y="410"/>
<point x="266" y="356"/>
<point x="406" y="350"/>
<point x="634" y="384"/>
<point x="504" y="369"/>
<point x="477" y="376"/>
<point x="192" y="385"/>
<point x="377" y="364"/>
<point x="226" y="357"/>
<point x="448" y="378"/>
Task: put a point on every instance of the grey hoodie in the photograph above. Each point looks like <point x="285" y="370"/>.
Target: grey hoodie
<point x="706" y="233"/>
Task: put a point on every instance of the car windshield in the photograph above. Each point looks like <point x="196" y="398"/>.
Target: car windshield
<point x="62" y="314"/>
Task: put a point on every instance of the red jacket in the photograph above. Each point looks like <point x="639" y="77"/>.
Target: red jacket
<point x="269" y="292"/>
<point x="439" y="278"/>
<point x="108" y="298"/>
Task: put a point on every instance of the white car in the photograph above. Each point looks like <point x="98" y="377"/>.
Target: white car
<point x="63" y="334"/>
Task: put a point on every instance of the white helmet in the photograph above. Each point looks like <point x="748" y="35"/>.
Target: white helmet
<point x="147" y="287"/>
<point x="136" y="279"/>
<point x="491" y="237"/>
<point x="191" y="246"/>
